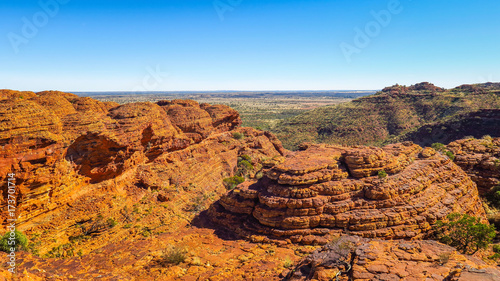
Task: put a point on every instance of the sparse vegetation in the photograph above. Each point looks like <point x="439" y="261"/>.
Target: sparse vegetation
<point x="174" y="255"/>
<point x="61" y="251"/>
<point x="442" y="148"/>
<point x="444" y="258"/>
<point x="464" y="232"/>
<point x="238" y="136"/>
<point x="450" y="155"/>
<point x="232" y="182"/>
<point x="419" y="115"/>
<point x="496" y="251"/>
<point x="438" y="146"/>
<point x="382" y="174"/>
<point x="288" y="263"/>
<point x="111" y="222"/>
<point x="197" y="204"/>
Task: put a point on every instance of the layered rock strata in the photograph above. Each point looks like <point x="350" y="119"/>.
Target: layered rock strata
<point x="480" y="158"/>
<point x="325" y="190"/>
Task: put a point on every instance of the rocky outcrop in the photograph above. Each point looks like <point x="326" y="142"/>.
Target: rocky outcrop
<point x="57" y="142"/>
<point x="199" y="121"/>
<point x="424" y="86"/>
<point x="354" y="258"/>
<point x="480" y="158"/>
<point x="397" y="191"/>
<point x="207" y="163"/>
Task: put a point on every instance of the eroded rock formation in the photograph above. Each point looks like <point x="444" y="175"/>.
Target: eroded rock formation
<point x="56" y="143"/>
<point x="480" y="158"/>
<point x="325" y="190"/>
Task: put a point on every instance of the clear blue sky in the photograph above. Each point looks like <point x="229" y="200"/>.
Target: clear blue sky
<point x="90" y="45"/>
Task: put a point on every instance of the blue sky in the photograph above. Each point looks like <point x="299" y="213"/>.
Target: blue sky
<point x="122" y="45"/>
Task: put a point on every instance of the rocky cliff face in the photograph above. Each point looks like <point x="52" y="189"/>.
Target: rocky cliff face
<point x="475" y="124"/>
<point x="480" y="158"/>
<point x="325" y="190"/>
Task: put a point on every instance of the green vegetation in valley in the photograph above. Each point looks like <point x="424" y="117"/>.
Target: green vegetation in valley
<point x="422" y="113"/>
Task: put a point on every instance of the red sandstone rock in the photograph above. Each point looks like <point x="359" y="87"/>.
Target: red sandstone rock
<point x="370" y="259"/>
<point x="324" y="190"/>
<point x="56" y="142"/>
<point x="480" y="158"/>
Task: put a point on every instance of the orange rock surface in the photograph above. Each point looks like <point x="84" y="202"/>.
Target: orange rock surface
<point x="354" y="258"/>
<point x="325" y="190"/>
<point x="57" y="142"/>
<point x="480" y="158"/>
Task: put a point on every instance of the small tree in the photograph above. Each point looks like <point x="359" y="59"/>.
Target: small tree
<point x="466" y="233"/>
<point x="19" y="242"/>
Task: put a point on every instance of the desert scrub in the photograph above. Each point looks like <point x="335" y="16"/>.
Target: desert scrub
<point x="174" y="255"/>
<point x="111" y="222"/>
<point x="443" y="258"/>
<point x="246" y="157"/>
<point x="61" y="251"/>
<point x="438" y="146"/>
<point x="496" y="251"/>
<point x="442" y="148"/>
<point x="197" y="204"/>
<point x="20" y="242"/>
<point x="238" y="136"/>
<point x="382" y="174"/>
<point x="232" y="182"/>
<point x="466" y="233"/>
<point x="288" y="263"/>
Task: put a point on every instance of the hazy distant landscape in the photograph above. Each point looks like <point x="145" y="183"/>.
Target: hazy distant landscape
<point x="257" y="109"/>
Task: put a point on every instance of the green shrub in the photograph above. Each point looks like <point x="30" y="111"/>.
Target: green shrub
<point x="111" y="222"/>
<point x="238" y="135"/>
<point x="232" y="182"/>
<point x="245" y="165"/>
<point x="487" y="137"/>
<point x="496" y="248"/>
<point x="20" y="241"/>
<point x="382" y="174"/>
<point x="466" y="233"/>
<point x="450" y="155"/>
<point x="438" y="146"/>
<point x="246" y="157"/>
<point x="174" y="255"/>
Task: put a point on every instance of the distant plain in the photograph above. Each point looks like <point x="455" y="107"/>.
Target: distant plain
<point x="262" y="110"/>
